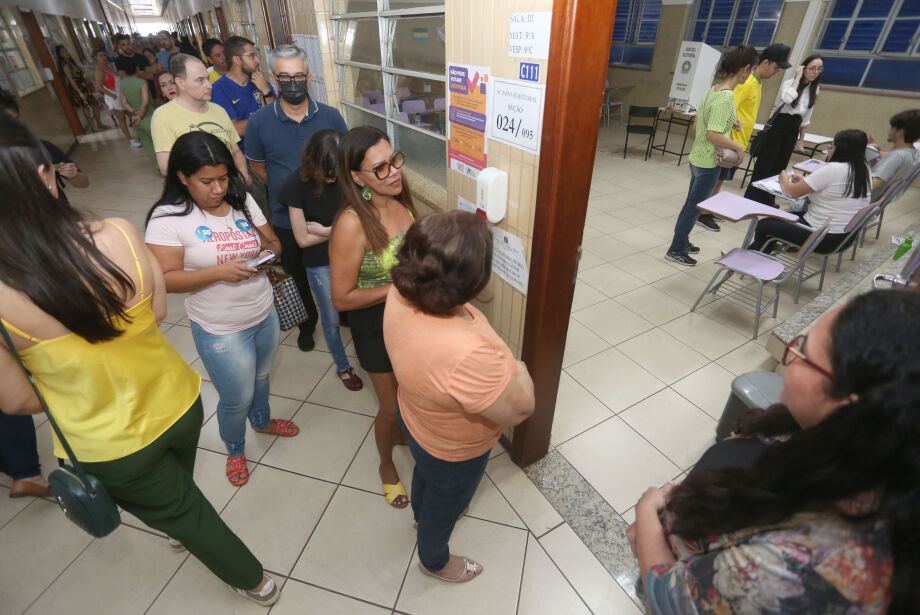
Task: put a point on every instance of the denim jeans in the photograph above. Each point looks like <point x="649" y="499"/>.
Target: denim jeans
<point x="702" y="183"/>
<point x="239" y="364"/>
<point x="441" y="491"/>
<point x="319" y="284"/>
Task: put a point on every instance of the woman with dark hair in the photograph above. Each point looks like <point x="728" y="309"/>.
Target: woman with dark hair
<point x="376" y="211"/>
<point x="311" y="195"/>
<point x="787" y="133"/>
<point x="836" y="192"/>
<point x="715" y="120"/>
<point x="456" y="395"/>
<point x="83" y="314"/>
<point x="207" y="234"/>
<point x="825" y="519"/>
<point x="77" y="89"/>
<point x="166" y="86"/>
<point x="108" y="86"/>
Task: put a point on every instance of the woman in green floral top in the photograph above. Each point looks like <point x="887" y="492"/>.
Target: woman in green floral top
<point x="826" y="519"/>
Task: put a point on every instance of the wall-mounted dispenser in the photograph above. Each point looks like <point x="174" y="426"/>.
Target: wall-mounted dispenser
<point x="492" y="193"/>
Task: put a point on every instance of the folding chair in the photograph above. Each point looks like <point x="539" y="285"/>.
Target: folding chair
<point x="891" y="194"/>
<point x="642" y="128"/>
<point x="764" y="269"/>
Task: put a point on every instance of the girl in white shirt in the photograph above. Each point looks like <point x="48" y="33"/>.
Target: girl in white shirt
<point x="787" y="132"/>
<point x="836" y="192"/>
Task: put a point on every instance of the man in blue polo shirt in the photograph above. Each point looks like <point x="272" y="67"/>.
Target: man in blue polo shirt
<point x="243" y="89"/>
<point x="275" y="135"/>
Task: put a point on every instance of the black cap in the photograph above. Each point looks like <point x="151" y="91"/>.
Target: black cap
<point x="778" y="53"/>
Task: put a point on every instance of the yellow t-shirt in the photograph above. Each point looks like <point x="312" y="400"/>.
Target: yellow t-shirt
<point x="747" y="103"/>
<point x="213" y="75"/>
<point x="170" y="121"/>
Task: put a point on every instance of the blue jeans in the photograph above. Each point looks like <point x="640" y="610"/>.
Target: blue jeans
<point x="319" y="284"/>
<point x="239" y="364"/>
<point x="441" y="491"/>
<point x="702" y="183"/>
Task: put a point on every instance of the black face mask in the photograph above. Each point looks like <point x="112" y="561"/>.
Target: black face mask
<point x="294" y="92"/>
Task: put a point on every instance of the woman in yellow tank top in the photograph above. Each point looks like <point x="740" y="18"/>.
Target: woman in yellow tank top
<point x="377" y="210"/>
<point x="83" y="301"/>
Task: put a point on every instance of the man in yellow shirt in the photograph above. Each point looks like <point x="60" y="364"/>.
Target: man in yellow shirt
<point x="747" y="104"/>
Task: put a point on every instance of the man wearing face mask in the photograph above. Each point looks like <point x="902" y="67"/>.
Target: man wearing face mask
<point x="275" y="135"/>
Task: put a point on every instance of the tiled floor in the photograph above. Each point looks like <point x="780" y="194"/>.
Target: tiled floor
<point x="643" y="384"/>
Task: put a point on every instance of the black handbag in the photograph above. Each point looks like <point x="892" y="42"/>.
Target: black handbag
<point x="82" y="497"/>
<point x="757" y="140"/>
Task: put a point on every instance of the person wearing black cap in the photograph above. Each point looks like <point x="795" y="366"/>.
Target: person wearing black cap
<point x="747" y="104"/>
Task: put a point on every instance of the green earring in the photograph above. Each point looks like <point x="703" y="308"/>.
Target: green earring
<point x="366" y="194"/>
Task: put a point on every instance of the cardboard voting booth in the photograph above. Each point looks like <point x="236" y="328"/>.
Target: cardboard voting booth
<point x="696" y="67"/>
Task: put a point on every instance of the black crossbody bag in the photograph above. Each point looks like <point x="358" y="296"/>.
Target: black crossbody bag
<point x="756" y="143"/>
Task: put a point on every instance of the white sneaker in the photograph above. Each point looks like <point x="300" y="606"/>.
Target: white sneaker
<point x="135" y="142"/>
<point x="175" y="545"/>
<point x="267" y="596"/>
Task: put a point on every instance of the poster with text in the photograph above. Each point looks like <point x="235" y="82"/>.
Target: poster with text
<point x="466" y="125"/>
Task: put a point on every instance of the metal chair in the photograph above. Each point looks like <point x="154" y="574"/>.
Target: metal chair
<point x="413" y="106"/>
<point x="764" y="269"/>
<point x="642" y="128"/>
<point x="439" y="104"/>
<point x="891" y="194"/>
<point x="608" y="91"/>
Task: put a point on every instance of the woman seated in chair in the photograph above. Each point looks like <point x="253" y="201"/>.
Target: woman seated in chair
<point x="836" y="191"/>
<point x="825" y="519"/>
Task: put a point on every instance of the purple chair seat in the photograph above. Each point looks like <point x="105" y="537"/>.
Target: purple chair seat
<point x="413" y="106"/>
<point x="378" y="107"/>
<point x="752" y="263"/>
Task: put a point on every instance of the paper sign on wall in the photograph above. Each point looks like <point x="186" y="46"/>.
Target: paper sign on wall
<point x="465" y="205"/>
<point x="509" y="261"/>
<point x="528" y="34"/>
<point x="516" y="113"/>
<point x="466" y="126"/>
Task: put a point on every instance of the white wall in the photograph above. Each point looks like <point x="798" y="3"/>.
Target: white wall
<point x="80" y="9"/>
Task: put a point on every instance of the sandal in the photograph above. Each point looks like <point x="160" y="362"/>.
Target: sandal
<point x="351" y="380"/>
<point x="471" y="570"/>
<point x="280" y="427"/>
<point x="237" y="472"/>
<point x="394" y="491"/>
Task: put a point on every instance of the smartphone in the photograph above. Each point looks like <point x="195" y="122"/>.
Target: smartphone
<point x="258" y="262"/>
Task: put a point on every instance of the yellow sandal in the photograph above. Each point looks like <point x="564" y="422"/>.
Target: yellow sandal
<point x="394" y="491"/>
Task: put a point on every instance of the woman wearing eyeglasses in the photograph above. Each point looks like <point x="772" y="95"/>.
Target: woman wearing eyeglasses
<point x="787" y="133"/>
<point x="824" y="520"/>
<point x="376" y="211"/>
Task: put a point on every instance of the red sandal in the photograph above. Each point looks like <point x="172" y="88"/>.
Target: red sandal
<point x="237" y="471"/>
<point x="281" y="427"/>
<point x="351" y="380"/>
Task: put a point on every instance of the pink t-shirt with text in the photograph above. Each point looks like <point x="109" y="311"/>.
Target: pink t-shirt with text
<point x="222" y="307"/>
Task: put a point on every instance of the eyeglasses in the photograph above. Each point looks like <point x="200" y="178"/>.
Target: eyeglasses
<point x="794" y="350"/>
<point x="815" y="69"/>
<point x="249" y="55"/>
<point x="286" y="78"/>
<point x="383" y="170"/>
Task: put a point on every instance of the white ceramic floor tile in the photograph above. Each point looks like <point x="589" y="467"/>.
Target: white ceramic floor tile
<point x="618" y="462"/>
<point x="609" y="248"/>
<point x="612" y="322"/>
<point x="585" y="295"/>
<point x="175" y="307"/>
<point x="489" y="504"/>
<point x="581" y="343"/>
<point x="324" y="448"/>
<point x="638" y="238"/>
<point x="256" y="443"/>
<point x="299" y="598"/>
<point x="576" y="410"/>
<point x="498" y="548"/>
<point x="294" y="373"/>
<point x="645" y="266"/>
<point x="211" y="477"/>
<point x="681" y="286"/>
<point x="705" y="335"/>
<point x="274" y="514"/>
<point x="361" y="547"/>
<point x="544" y="589"/>
<point x="587" y="575"/>
<point x="181" y="339"/>
<point x="10" y="507"/>
<point x="652" y="305"/>
<point x="615" y="379"/>
<point x="673" y="425"/>
<point x="194" y="590"/>
<point x="331" y="392"/>
<point x="662" y="355"/>
<point x="606" y="223"/>
<point x="611" y="280"/>
<point x="707" y="388"/>
<point x="523" y="495"/>
<point x="748" y="358"/>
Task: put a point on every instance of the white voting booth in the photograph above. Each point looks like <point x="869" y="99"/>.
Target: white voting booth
<point x="696" y="67"/>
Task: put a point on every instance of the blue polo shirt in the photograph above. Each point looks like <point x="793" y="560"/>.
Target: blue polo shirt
<point x="239" y="101"/>
<point x="275" y="139"/>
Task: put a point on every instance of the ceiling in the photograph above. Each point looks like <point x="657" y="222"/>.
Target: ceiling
<point x="145" y="8"/>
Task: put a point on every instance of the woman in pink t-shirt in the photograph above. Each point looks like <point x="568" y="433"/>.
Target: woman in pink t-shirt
<point x="457" y="394"/>
<point x="206" y="231"/>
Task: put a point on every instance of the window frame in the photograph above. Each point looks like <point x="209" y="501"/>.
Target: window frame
<point x="634" y="23"/>
<point x="912" y="53"/>
<point x="695" y="17"/>
<point x="386" y="24"/>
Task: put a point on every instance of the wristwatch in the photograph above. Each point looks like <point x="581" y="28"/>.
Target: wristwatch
<point x="264" y="95"/>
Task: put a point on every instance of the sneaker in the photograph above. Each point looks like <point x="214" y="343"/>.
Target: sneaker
<point x="682" y="259"/>
<point x="692" y="249"/>
<point x="708" y="223"/>
<point x="135" y="143"/>
<point x="175" y="545"/>
<point x="267" y="596"/>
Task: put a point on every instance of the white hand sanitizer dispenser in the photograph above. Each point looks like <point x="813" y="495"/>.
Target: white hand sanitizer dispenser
<point x="492" y="193"/>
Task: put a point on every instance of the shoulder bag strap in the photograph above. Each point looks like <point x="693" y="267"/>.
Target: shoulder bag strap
<point x="61" y="438"/>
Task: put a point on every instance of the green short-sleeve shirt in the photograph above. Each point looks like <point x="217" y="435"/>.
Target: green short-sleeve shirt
<point x="717" y="112"/>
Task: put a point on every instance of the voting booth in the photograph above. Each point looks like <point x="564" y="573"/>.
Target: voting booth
<point x="696" y="67"/>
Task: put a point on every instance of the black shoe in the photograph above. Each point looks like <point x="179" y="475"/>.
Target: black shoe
<point x="692" y="249"/>
<point x="708" y="223"/>
<point x="305" y="339"/>
<point x="681" y="259"/>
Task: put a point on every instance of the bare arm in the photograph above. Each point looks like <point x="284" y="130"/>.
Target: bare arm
<point x="178" y="280"/>
<point x="240" y="126"/>
<point x="258" y="169"/>
<point x="877" y="183"/>
<point x="16" y="394"/>
<point x="270" y="241"/>
<point x="306" y="233"/>
<point x="163" y="162"/>
<point x="124" y="103"/>
<point x="73" y="174"/>
<point x="158" y="301"/>
<point x="239" y="160"/>
<point x="99" y="77"/>
<point x="346" y="251"/>
<point x="794" y="185"/>
<point x="652" y="547"/>
<point x="516" y="403"/>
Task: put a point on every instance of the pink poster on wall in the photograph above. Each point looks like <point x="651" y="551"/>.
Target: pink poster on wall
<point x="466" y="125"/>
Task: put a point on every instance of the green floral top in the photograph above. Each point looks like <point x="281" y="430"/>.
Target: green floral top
<point x="717" y="112"/>
<point x="816" y="562"/>
<point x="375" y="268"/>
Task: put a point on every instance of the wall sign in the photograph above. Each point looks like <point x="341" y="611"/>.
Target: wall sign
<point x="509" y="261"/>
<point x="516" y="113"/>
<point x="466" y="120"/>
<point x="529" y="71"/>
<point x="528" y="34"/>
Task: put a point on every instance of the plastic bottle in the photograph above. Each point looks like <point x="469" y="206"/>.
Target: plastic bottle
<point x="904" y="248"/>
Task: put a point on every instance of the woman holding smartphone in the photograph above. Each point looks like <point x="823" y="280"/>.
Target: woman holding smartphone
<point x="204" y="231"/>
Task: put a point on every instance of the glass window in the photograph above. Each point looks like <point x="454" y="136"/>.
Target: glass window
<point x="722" y="23"/>
<point x="14" y="58"/>
<point x="362" y="86"/>
<point x="358" y="117"/>
<point x="411" y="4"/>
<point x="354" y="6"/>
<point x="421" y="102"/>
<point x="359" y="41"/>
<point x="418" y="44"/>
<point x="424" y="155"/>
<point x="635" y="25"/>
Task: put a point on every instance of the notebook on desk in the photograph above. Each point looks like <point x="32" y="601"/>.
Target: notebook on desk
<point x="771" y="185"/>
<point x="809" y="166"/>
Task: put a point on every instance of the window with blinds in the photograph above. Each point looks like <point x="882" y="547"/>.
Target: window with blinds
<point x="723" y="23"/>
<point x="635" y="30"/>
